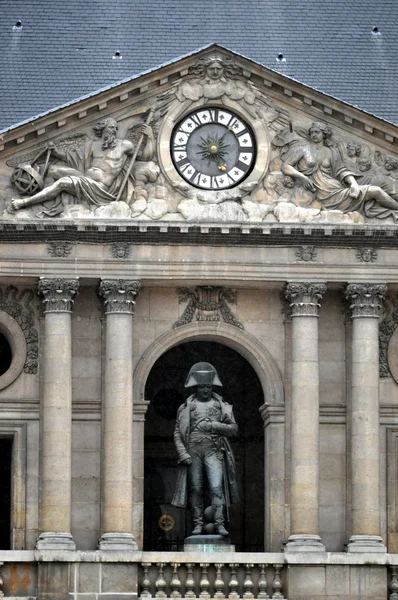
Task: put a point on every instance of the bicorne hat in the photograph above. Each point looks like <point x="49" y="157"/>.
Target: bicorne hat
<point x="202" y="373"/>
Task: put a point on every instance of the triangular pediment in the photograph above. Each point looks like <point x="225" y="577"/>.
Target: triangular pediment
<point x="209" y="138"/>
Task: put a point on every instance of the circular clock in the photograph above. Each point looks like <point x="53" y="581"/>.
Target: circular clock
<point x="213" y="149"/>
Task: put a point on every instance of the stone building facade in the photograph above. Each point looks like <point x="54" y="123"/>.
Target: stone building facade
<point x="276" y="260"/>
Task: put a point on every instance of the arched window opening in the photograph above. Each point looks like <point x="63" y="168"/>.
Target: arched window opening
<point x="165" y="391"/>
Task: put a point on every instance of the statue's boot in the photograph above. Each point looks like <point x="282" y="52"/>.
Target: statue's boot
<point x="197" y="515"/>
<point x="219" y="520"/>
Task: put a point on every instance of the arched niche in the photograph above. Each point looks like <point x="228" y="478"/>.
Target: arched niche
<point x="260" y="361"/>
<point x="244" y="343"/>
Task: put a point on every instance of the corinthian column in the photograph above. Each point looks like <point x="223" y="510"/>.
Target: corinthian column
<point x="304" y="497"/>
<point x="119" y="299"/>
<point x="56" y="417"/>
<point x="365" y="302"/>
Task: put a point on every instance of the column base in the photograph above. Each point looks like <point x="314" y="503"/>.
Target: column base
<point x="117" y="542"/>
<point x="55" y="540"/>
<point x="366" y="543"/>
<point x="304" y="542"/>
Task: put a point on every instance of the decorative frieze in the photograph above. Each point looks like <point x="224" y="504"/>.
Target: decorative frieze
<point x="119" y="294"/>
<point x="303" y="298"/>
<point x="366" y="254"/>
<point x="120" y="249"/>
<point x="207" y="303"/>
<point x="306" y="253"/>
<point x="365" y="299"/>
<point x="59" y="249"/>
<point x="58" y="294"/>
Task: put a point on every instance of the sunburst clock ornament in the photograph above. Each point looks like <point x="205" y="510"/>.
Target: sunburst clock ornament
<point x="213" y="149"/>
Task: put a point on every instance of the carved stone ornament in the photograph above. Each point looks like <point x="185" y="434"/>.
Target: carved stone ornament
<point x="388" y="365"/>
<point x="19" y="307"/>
<point x="306" y="253"/>
<point x="121" y="249"/>
<point x="226" y="152"/>
<point x="119" y="295"/>
<point x="207" y="303"/>
<point x="58" y="294"/>
<point x="59" y="249"/>
<point x="304" y="298"/>
<point x="366" y="254"/>
<point x="365" y="299"/>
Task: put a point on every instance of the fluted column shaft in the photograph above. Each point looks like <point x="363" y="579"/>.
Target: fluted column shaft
<point x="365" y="302"/>
<point x="56" y="414"/>
<point x="119" y="299"/>
<point x="304" y="509"/>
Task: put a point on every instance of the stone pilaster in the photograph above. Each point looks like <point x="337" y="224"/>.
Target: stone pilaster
<point x="365" y="303"/>
<point x="119" y="300"/>
<point x="304" y="301"/>
<point x="55" y="511"/>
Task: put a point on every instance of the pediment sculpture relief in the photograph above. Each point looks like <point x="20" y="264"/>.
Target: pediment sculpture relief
<point x="212" y="148"/>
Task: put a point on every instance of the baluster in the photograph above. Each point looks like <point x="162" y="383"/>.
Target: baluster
<point x="262" y="583"/>
<point x="175" y="582"/>
<point x="1" y="580"/>
<point x="204" y="582"/>
<point x="233" y="583"/>
<point x="248" y="584"/>
<point x="394" y="584"/>
<point x="190" y="583"/>
<point x="145" y="582"/>
<point x="219" y="582"/>
<point x="277" y="584"/>
<point x="160" y="582"/>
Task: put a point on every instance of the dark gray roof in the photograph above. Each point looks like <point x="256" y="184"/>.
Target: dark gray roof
<point x="65" y="49"/>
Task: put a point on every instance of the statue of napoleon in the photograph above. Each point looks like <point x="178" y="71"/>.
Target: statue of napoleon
<point x="96" y="172"/>
<point x="207" y="467"/>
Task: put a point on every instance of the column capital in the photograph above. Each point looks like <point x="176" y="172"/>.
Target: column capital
<point x="365" y="299"/>
<point x="119" y="294"/>
<point x="303" y="298"/>
<point x="58" y="294"/>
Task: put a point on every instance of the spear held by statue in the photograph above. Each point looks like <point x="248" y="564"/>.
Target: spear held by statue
<point x="134" y="157"/>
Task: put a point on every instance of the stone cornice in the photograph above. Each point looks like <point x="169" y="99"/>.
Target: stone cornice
<point x="119" y="295"/>
<point x="365" y="299"/>
<point x="107" y="231"/>
<point x="58" y="294"/>
<point x="304" y="297"/>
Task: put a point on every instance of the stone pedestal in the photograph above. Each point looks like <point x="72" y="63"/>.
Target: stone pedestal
<point x="55" y="513"/>
<point x="119" y="299"/>
<point x="304" y="510"/>
<point x="208" y="543"/>
<point x="365" y="303"/>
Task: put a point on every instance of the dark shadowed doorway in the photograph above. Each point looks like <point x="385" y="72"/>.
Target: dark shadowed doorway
<point x="5" y="496"/>
<point x="165" y="391"/>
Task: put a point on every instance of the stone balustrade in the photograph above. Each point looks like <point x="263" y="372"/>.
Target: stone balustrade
<point x="209" y="577"/>
<point x="393" y="585"/>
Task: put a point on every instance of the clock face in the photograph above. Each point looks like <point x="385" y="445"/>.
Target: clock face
<point x="213" y="149"/>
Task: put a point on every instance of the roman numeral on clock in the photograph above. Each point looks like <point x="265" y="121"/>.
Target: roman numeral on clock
<point x="213" y="116"/>
<point x="183" y="162"/>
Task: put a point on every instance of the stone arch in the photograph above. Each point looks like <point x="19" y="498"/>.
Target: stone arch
<point x="244" y="343"/>
<point x="16" y="339"/>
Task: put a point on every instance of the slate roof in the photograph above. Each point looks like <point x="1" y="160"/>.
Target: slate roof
<point x="66" y="49"/>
